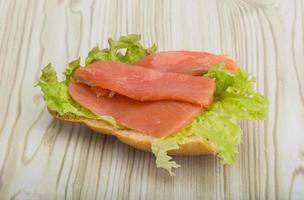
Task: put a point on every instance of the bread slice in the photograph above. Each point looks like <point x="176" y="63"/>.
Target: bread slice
<point x="195" y="145"/>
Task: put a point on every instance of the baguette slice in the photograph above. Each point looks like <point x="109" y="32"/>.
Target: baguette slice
<point x="195" y="145"/>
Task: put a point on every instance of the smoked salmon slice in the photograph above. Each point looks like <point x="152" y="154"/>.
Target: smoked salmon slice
<point x="186" y="62"/>
<point x="156" y="118"/>
<point x="145" y="84"/>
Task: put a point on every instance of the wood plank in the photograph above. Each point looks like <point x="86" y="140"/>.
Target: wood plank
<point x="41" y="158"/>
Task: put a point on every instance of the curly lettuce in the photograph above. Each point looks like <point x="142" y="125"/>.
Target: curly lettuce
<point x="235" y="100"/>
<point x="134" y="51"/>
<point x="56" y="93"/>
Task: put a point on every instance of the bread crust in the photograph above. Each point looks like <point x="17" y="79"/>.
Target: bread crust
<point x="194" y="146"/>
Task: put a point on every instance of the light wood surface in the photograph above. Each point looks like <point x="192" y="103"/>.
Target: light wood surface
<point x="42" y="158"/>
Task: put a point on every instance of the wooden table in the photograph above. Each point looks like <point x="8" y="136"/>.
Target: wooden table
<point x="42" y="158"/>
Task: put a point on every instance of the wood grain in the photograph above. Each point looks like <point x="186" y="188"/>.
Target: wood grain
<point x="41" y="158"/>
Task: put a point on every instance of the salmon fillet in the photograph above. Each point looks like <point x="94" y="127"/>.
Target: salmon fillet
<point x="156" y="118"/>
<point x="145" y="84"/>
<point x="186" y="62"/>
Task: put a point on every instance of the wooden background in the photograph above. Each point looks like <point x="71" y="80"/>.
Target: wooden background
<point x="41" y="158"/>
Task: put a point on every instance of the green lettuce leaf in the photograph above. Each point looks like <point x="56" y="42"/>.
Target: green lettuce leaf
<point x="134" y="51"/>
<point x="234" y="100"/>
<point x="72" y="67"/>
<point x="57" y="97"/>
<point x="56" y="94"/>
<point x="160" y="149"/>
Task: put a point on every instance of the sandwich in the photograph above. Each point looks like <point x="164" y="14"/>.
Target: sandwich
<point x="169" y="103"/>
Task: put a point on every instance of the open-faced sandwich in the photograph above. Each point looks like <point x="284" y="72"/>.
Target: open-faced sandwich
<point x="170" y="103"/>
